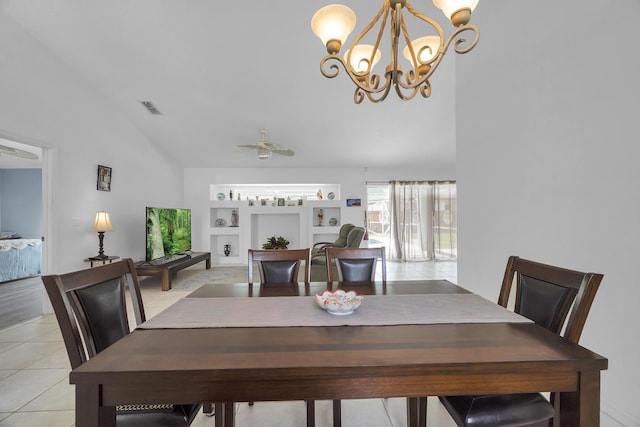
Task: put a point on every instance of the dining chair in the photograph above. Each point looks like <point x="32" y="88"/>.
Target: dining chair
<point x="279" y="268"/>
<point x="555" y="298"/>
<point x="91" y="309"/>
<point x="279" y="265"/>
<point x="354" y="266"/>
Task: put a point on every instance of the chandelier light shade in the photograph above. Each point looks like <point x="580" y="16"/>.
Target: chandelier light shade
<point x="101" y="224"/>
<point x="333" y="24"/>
<point x="361" y="57"/>
<point x="462" y="8"/>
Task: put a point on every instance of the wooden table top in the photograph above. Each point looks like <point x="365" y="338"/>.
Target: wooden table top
<point x="294" y="363"/>
<point x="394" y="287"/>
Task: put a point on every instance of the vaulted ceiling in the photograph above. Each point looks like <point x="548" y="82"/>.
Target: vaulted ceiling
<point x="221" y="71"/>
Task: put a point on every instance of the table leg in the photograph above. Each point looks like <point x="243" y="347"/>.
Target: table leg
<point x="582" y="408"/>
<point x="416" y="411"/>
<point x="89" y="413"/>
<point x="166" y="279"/>
<point x="219" y="414"/>
<point x="229" y="414"/>
<point x="311" y="413"/>
<point x="337" y="413"/>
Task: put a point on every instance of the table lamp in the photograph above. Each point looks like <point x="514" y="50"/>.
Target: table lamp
<point x="101" y="224"/>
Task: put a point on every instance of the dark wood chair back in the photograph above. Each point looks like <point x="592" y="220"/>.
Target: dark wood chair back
<point x="279" y="265"/>
<point x="546" y="295"/>
<point x="555" y="298"/>
<point x="356" y="265"/>
<point x="91" y="309"/>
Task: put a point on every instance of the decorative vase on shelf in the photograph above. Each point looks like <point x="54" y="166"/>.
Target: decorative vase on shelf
<point x="320" y="217"/>
<point x="227" y="250"/>
<point x="234" y="218"/>
<point x="319" y="194"/>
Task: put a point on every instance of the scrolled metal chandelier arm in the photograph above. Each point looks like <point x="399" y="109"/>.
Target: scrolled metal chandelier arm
<point x="459" y="45"/>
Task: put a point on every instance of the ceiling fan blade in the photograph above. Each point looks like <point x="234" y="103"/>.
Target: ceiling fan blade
<point x="265" y="149"/>
<point x="17" y="152"/>
<point x="279" y="149"/>
<point x="283" y="151"/>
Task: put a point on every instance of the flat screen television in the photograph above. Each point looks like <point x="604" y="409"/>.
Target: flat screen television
<point x="168" y="232"/>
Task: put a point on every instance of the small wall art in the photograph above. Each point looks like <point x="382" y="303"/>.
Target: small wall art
<point x="104" y="178"/>
<point x="354" y="202"/>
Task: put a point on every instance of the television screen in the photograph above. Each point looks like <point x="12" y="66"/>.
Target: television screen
<point x="168" y="232"/>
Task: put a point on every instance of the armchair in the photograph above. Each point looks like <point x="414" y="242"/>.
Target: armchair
<point x="319" y="261"/>
<point x="340" y="242"/>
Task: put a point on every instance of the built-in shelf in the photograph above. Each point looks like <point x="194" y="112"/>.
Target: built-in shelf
<point x="296" y="218"/>
<point x="271" y="192"/>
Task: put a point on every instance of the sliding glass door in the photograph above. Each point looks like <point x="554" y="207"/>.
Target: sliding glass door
<point x="414" y="220"/>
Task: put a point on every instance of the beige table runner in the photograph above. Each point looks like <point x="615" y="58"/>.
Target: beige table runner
<point x="304" y="311"/>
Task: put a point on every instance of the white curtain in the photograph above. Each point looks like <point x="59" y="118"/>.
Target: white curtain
<point x="410" y="207"/>
<point x="445" y="221"/>
<point x="422" y="221"/>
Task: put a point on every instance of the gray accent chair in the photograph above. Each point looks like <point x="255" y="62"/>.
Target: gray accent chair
<point x="340" y="242"/>
<point x="319" y="261"/>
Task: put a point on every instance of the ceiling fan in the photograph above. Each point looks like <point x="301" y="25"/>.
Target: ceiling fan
<point x="17" y="152"/>
<point x="266" y="148"/>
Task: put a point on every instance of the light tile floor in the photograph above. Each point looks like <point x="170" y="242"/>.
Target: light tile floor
<point x="34" y="368"/>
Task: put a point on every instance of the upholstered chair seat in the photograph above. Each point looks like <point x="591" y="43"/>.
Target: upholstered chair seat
<point x="508" y="410"/>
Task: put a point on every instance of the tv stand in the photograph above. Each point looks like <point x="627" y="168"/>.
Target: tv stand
<point x="169" y="269"/>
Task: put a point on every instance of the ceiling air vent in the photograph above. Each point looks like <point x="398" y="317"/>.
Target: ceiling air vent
<point x="149" y="106"/>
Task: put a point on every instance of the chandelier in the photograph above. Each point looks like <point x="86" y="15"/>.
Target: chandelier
<point x="333" y="24"/>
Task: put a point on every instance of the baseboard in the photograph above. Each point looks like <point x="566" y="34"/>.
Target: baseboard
<point x="611" y="416"/>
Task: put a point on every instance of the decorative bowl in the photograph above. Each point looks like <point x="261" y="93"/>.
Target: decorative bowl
<point x="340" y="302"/>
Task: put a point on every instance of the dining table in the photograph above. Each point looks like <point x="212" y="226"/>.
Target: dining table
<point x="223" y="343"/>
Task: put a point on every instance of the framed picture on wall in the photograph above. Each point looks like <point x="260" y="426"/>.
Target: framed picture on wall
<point x="104" y="178"/>
<point x="354" y="202"/>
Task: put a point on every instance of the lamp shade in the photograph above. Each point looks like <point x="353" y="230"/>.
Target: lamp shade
<point x="102" y="222"/>
<point x="449" y="7"/>
<point x="360" y="57"/>
<point x="425" y="49"/>
<point x="333" y="22"/>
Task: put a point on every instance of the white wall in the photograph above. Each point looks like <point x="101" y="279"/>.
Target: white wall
<point x="547" y="155"/>
<point x="51" y="107"/>
<point x="198" y="180"/>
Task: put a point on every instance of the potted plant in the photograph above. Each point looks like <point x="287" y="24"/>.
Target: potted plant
<point x="274" y="242"/>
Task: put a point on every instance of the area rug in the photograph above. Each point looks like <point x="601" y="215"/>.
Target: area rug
<point x="215" y="274"/>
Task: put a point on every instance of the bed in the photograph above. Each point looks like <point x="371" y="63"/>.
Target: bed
<point x="20" y="258"/>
